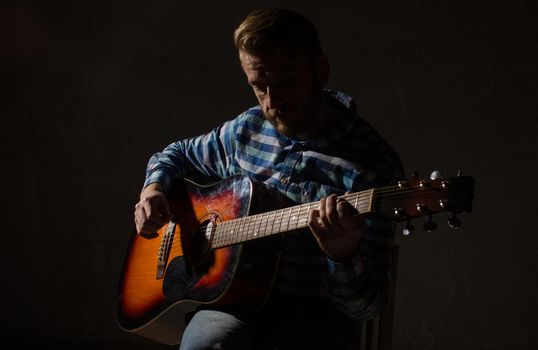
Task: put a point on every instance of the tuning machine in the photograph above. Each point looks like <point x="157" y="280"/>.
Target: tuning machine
<point x="454" y="222"/>
<point x="430" y="226"/>
<point x="436" y="175"/>
<point x="409" y="229"/>
<point x="402" y="215"/>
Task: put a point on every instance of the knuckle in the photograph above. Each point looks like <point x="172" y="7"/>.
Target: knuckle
<point x="332" y="213"/>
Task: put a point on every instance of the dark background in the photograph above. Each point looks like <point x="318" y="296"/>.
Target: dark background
<point x="90" y="90"/>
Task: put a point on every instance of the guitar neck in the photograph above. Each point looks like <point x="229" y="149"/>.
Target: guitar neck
<point x="279" y="221"/>
<point x="408" y="200"/>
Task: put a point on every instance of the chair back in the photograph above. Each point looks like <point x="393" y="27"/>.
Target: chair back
<point x="376" y="334"/>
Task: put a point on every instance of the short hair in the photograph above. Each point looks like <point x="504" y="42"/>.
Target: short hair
<point x="285" y="30"/>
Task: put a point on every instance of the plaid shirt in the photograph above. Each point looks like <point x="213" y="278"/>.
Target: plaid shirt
<point x="351" y="155"/>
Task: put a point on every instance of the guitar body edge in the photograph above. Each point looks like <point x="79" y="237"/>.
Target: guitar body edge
<point x="251" y="284"/>
<point x="235" y="275"/>
<point x="168" y="327"/>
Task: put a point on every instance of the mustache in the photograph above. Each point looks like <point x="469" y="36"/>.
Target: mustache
<point x="273" y="113"/>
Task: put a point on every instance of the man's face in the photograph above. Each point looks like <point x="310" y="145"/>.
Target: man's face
<point x="288" y="90"/>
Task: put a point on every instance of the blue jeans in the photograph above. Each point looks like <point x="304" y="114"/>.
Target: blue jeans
<point x="278" y="326"/>
<point x="211" y="329"/>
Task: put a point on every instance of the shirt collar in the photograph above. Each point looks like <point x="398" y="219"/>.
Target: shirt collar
<point x="342" y="112"/>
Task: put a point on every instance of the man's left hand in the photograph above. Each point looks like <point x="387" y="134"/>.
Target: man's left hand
<point x="336" y="226"/>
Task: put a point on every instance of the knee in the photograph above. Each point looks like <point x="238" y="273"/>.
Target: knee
<point x="209" y="329"/>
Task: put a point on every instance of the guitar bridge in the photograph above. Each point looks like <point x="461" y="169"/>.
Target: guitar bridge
<point x="164" y="249"/>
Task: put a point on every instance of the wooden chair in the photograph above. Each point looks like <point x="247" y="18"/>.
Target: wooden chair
<point x="378" y="331"/>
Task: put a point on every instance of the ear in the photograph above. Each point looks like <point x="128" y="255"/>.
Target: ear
<point x="322" y="70"/>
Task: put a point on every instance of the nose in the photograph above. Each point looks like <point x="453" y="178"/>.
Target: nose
<point x="274" y="98"/>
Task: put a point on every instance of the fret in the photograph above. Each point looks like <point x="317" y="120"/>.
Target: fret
<point x="266" y="231"/>
<point x="262" y="227"/>
<point x="356" y="205"/>
<point x="279" y="221"/>
<point x="297" y="217"/>
<point x="288" y="216"/>
<point x="238" y="232"/>
<point x="250" y="229"/>
<point x="224" y="234"/>
<point x="256" y="227"/>
<point x="371" y="199"/>
<point x="274" y="215"/>
<point x="292" y="218"/>
<point x="253" y="230"/>
<point x="216" y="238"/>
<point x="304" y="216"/>
<point x="367" y="203"/>
<point x="245" y="227"/>
<point x="233" y="231"/>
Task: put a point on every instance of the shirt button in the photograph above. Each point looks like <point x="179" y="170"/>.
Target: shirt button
<point x="284" y="180"/>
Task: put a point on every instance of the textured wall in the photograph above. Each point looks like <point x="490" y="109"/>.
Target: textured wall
<point x="90" y="91"/>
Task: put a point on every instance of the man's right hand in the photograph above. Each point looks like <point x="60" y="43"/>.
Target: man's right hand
<point x="152" y="211"/>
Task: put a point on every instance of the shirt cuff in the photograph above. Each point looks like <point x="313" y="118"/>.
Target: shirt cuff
<point x="346" y="271"/>
<point x="160" y="178"/>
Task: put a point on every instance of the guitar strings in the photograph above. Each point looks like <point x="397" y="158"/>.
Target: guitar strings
<point x="297" y="210"/>
<point x="252" y="224"/>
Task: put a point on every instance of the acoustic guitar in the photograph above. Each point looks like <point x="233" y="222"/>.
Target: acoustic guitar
<point x="220" y="249"/>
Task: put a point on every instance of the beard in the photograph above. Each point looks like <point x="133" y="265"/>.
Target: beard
<point x="287" y="122"/>
<point x="294" y="121"/>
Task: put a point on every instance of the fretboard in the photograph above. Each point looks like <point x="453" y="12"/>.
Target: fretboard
<point x="279" y="221"/>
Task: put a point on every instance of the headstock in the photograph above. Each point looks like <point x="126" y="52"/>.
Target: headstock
<point x="417" y="197"/>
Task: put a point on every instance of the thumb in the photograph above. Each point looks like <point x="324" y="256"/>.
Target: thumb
<point x="163" y="209"/>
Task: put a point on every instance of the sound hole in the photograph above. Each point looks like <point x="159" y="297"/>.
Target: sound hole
<point x="185" y="271"/>
<point x="203" y="256"/>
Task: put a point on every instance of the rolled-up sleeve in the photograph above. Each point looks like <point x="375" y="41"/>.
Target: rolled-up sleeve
<point x="202" y="158"/>
<point x="359" y="287"/>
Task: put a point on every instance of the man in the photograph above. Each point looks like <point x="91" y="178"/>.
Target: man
<point x="309" y="144"/>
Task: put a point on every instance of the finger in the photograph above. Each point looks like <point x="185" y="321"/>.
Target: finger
<point x="345" y="209"/>
<point x="144" y="224"/>
<point x="139" y="217"/>
<point x="342" y="209"/>
<point x="164" y="210"/>
<point x="157" y="209"/>
<point x="333" y="215"/>
<point x="152" y="212"/>
<point x="314" y="223"/>
<point x="323" y="219"/>
<point x="350" y="218"/>
<point x="148" y="209"/>
<point x="330" y="208"/>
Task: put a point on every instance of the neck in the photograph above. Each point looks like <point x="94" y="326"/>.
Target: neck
<point x="318" y="122"/>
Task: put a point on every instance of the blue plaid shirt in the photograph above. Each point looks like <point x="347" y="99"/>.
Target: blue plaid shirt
<point x="351" y="155"/>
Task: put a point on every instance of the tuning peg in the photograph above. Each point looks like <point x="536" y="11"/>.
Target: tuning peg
<point x="436" y="175"/>
<point x="403" y="183"/>
<point x="415" y="175"/>
<point x="408" y="229"/>
<point x="429" y="225"/>
<point x="460" y="173"/>
<point x="454" y="222"/>
<point x="399" y="213"/>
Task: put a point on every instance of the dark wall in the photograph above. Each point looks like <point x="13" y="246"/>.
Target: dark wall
<point x="90" y="90"/>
